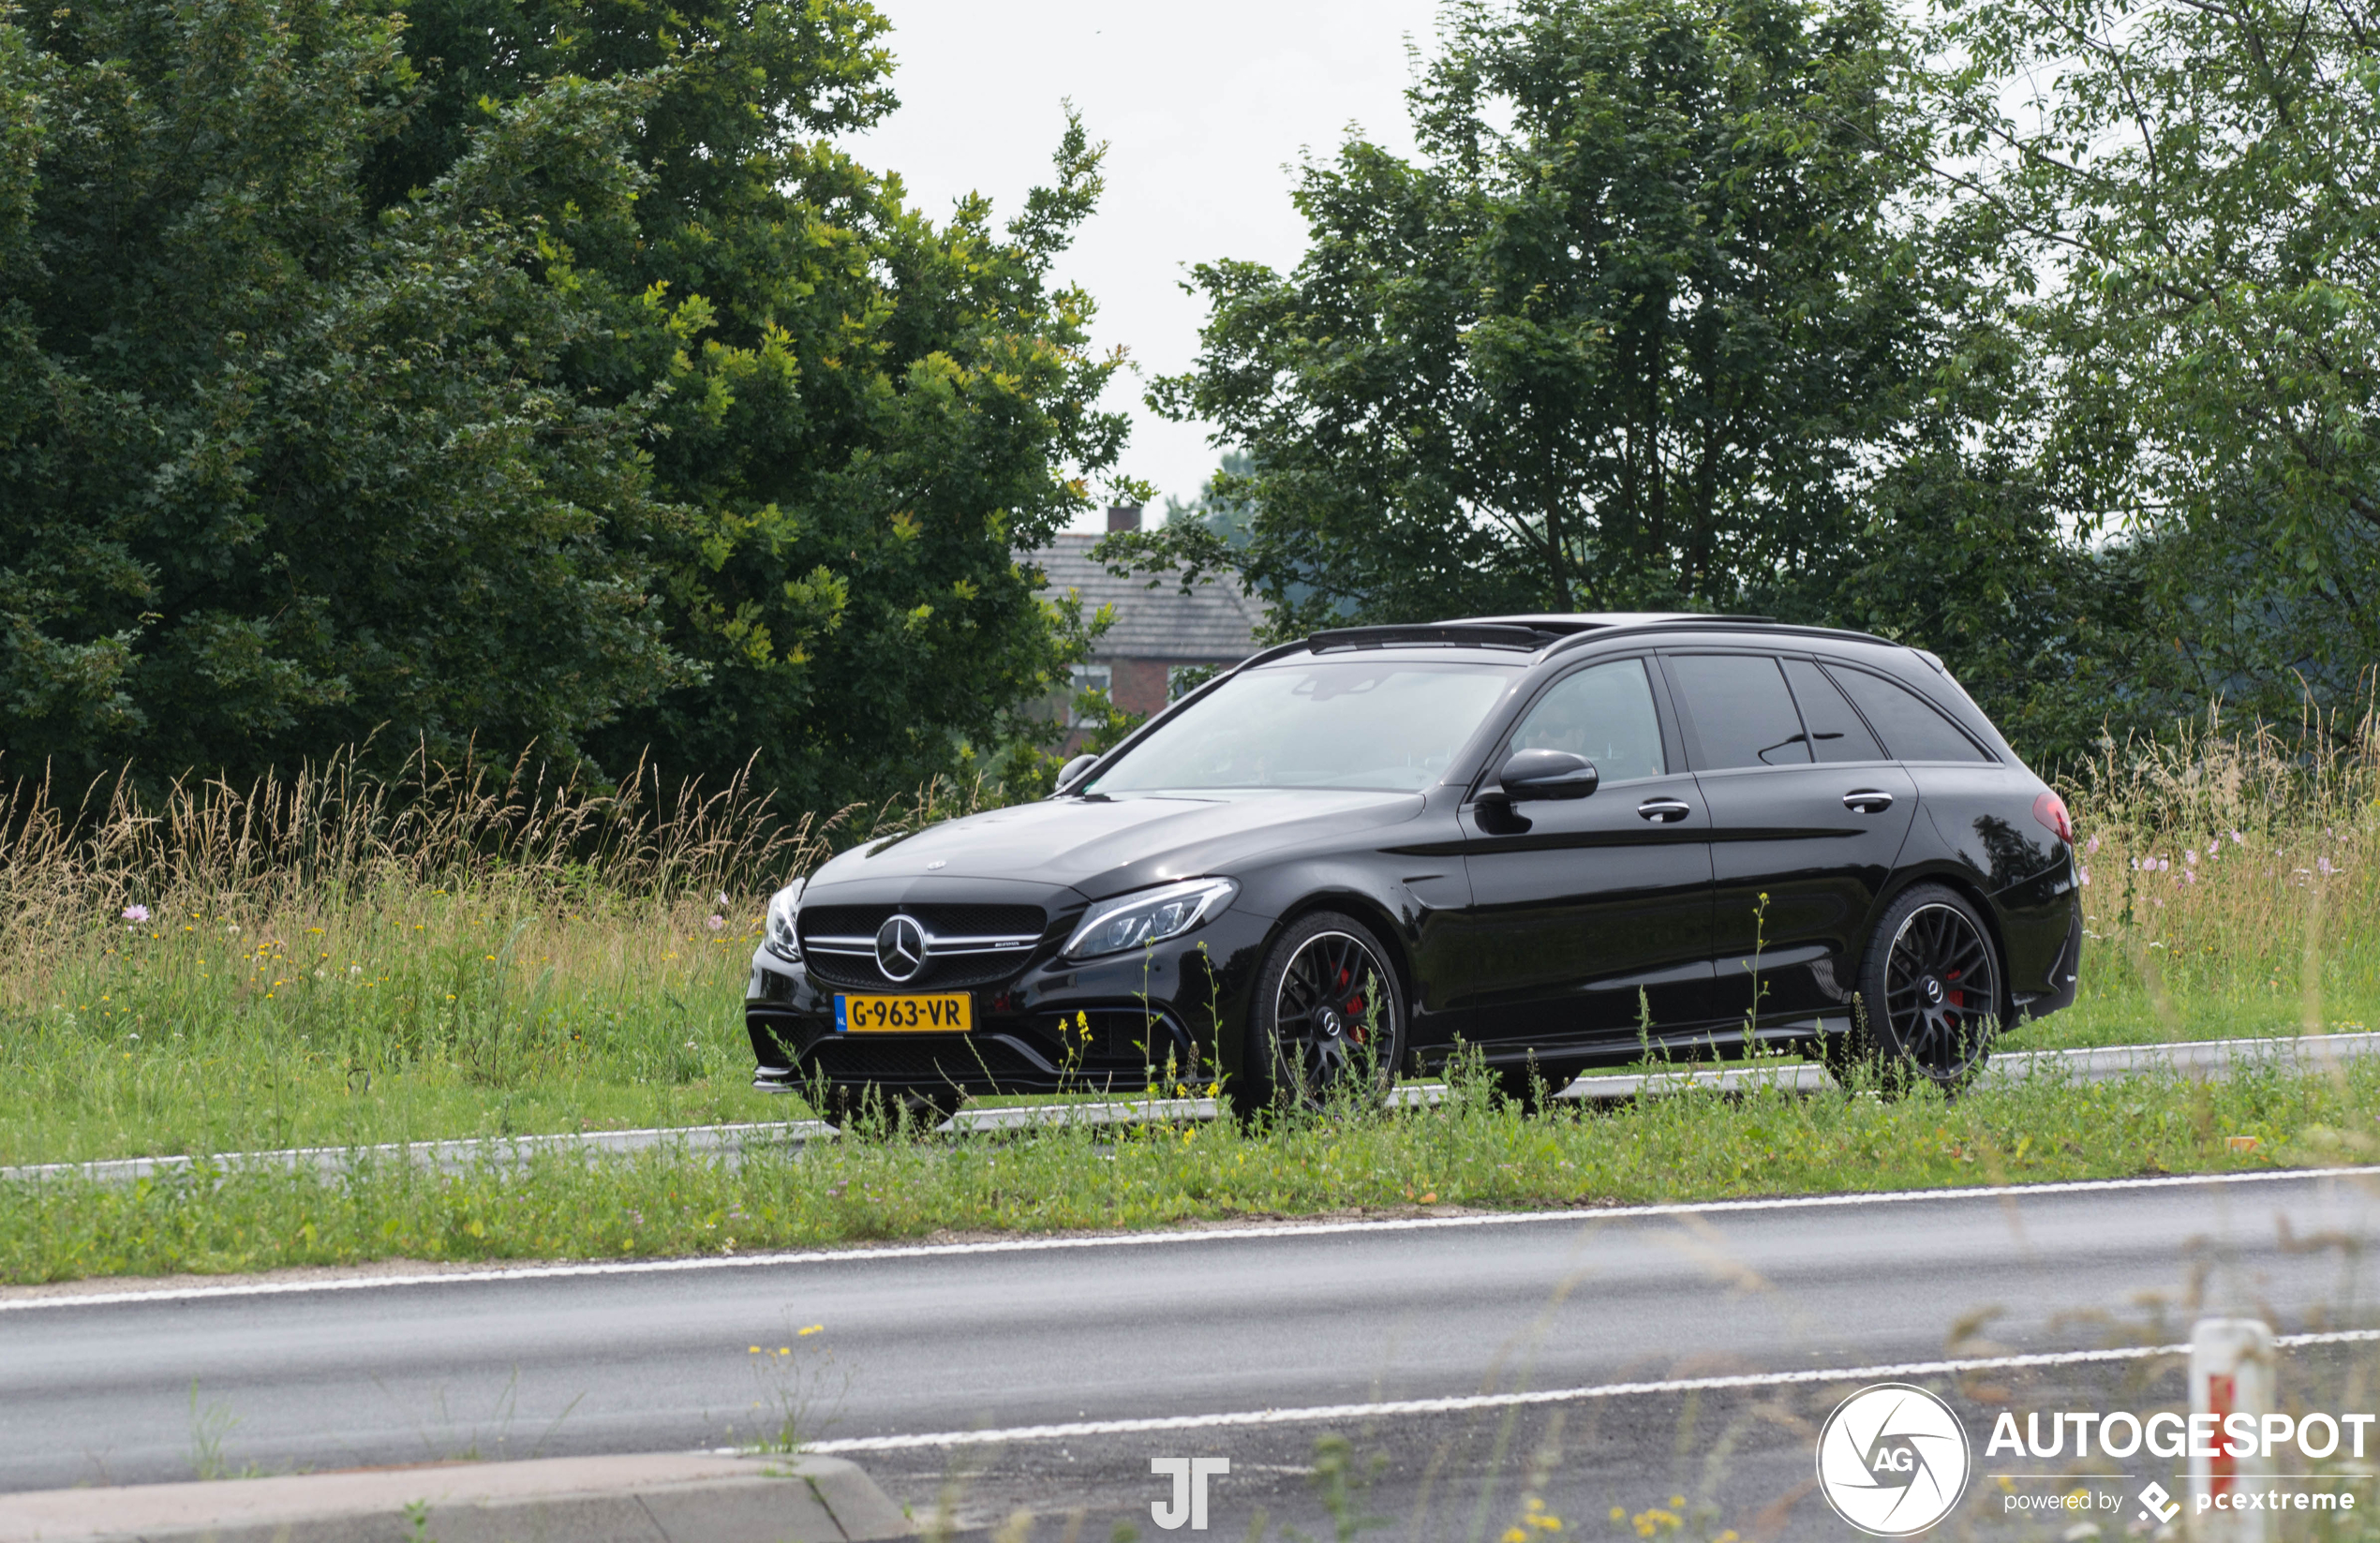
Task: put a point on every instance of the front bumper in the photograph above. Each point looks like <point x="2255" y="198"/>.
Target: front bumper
<point x="1166" y="1016"/>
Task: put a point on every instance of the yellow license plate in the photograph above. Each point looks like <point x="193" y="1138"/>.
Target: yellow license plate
<point x="950" y="1014"/>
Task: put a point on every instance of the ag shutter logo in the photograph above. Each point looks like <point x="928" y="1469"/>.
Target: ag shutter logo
<point x="1893" y="1460"/>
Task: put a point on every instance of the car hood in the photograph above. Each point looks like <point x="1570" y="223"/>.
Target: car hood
<point x="1103" y="846"/>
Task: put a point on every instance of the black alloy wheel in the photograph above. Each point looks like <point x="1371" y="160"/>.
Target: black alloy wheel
<point x="1929" y="994"/>
<point x="1330" y="1019"/>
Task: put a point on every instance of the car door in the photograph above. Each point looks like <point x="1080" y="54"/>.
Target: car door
<point x="1808" y="819"/>
<point x="1588" y="912"/>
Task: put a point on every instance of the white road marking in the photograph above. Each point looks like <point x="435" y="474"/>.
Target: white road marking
<point x="1388" y="1408"/>
<point x="1582" y="1216"/>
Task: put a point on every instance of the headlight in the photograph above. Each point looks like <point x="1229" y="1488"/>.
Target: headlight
<point x="779" y="939"/>
<point x="1149" y="917"/>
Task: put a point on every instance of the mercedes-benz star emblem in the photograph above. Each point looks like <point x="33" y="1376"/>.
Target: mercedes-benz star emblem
<point x="901" y="948"/>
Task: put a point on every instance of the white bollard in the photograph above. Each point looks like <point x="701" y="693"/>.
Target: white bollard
<point x="2231" y="1372"/>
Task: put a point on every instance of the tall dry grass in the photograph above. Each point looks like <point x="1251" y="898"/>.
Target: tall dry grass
<point x="337" y="829"/>
<point x="339" y="956"/>
<point x="2232" y="883"/>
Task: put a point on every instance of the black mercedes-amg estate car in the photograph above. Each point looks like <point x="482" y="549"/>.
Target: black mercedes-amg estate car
<point x="1557" y="838"/>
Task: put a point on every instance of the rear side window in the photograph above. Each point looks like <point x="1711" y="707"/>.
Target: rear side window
<point x="1913" y="728"/>
<point x="1742" y="713"/>
<point x="1604" y="714"/>
<point x="1836" y="732"/>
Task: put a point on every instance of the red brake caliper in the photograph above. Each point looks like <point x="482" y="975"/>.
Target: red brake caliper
<point x="1356" y="1030"/>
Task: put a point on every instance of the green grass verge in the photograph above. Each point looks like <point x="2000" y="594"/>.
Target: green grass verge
<point x="433" y="1018"/>
<point x="1474" y="1151"/>
<point x="411" y="1016"/>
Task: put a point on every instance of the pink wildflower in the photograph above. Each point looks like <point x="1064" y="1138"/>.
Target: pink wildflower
<point x="716" y="923"/>
<point x="136" y="915"/>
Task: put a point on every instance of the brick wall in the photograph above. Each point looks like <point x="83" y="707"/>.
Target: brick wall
<point x="1139" y="685"/>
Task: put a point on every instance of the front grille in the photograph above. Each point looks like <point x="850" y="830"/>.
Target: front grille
<point x="1127" y="1051"/>
<point x="968" y="1059"/>
<point x="944" y="972"/>
<point x="942" y="921"/>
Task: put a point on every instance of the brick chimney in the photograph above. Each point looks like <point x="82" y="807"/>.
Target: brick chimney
<point x="1123" y="517"/>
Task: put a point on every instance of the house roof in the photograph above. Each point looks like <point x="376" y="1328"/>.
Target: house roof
<point x="1213" y="624"/>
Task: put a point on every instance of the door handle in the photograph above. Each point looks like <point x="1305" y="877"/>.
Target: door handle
<point x="1869" y="800"/>
<point x="1662" y="812"/>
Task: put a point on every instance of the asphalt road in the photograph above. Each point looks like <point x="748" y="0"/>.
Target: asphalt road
<point x="987" y="1339"/>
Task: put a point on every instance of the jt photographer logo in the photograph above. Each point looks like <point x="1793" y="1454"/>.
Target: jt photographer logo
<point x="1189" y="1503"/>
<point x="1893" y="1460"/>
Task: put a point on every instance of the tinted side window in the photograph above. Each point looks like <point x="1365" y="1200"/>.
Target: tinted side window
<point x="1834" y="731"/>
<point x="1604" y="714"/>
<point x="1742" y="713"/>
<point x="1913" y="728"/>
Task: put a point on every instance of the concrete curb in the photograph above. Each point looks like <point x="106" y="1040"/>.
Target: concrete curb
<point x="2189" y="1058"/>
<point x="661" y="1498"/>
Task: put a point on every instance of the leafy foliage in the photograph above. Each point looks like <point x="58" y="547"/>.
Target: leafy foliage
<point x="519" y="372"/>
<point x="276" y="468"/>
<point x="2044" y="339"/>
<point x="1622" y="337"/>
<point x="2192" y="185"/>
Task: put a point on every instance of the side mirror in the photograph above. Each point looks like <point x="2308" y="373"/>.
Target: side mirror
<point x="1075" y="768"/>
<point x="1547" y="774"/>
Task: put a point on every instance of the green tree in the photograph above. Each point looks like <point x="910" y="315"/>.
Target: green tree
<point x="519" y="372"/>
<point x="277" y="470"/>
<point x="1231" y="520"/>
<point x="2190" y="188"/>
<point x="1632" y="332"/>
<point x="872" y="413"/>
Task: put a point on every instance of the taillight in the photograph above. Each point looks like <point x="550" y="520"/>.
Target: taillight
<point x="2050" y="810"/>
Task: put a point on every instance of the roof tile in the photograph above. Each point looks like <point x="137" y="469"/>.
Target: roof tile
<point x="1213" y="624"/>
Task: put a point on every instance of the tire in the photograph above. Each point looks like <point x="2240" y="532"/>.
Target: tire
<point x="1325" y="1019"/>
<point x="846" y="1105"/>
<point x="1929" y="996"/>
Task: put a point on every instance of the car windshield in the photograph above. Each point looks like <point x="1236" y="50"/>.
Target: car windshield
<point x="1373" y="723"/>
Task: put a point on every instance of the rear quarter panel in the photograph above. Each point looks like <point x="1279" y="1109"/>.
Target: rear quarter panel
<point x="1976" y="823"/>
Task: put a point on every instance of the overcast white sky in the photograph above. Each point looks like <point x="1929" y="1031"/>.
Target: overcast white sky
<point x="1206" y="110"/>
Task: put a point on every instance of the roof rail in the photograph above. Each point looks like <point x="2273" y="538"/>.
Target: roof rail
<point x="1568" y="622"/>
<point x="1789" y="628"/>
<point x="1445" y="635"/>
